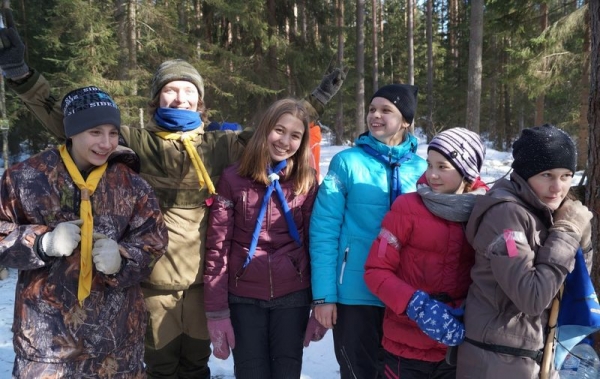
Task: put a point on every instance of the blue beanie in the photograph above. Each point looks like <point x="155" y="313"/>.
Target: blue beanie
<point x="88" y="107"/>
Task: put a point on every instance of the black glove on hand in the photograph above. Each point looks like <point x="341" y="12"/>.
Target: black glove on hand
<point x="12" y="50"/>
<point x="331" y="84"/>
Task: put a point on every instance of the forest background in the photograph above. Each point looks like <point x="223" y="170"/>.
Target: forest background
<point x="531" y="65"/>
<point x="493" y="66"/>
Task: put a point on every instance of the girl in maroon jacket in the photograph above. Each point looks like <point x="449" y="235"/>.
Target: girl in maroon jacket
<point x="419" y="264"/>
<point x="257" y="277"/>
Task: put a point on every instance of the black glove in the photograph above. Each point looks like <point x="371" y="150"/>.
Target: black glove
<point x="12" y="49"/>
<point x="331" y="84"/>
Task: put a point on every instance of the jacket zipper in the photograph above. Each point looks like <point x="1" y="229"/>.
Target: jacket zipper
<point x="245" y="203"/>
<point x="270" y="276"/>
<point x="344" y="264"/>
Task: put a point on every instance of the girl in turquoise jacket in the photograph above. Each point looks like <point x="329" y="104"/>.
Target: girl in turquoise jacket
<point x="358" y="190"/>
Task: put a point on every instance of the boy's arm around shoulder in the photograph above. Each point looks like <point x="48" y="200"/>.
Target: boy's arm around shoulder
<point x="35" y="92"/>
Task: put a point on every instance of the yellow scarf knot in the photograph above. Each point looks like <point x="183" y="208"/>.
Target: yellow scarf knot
<point x="187" y="138"/>
<point x="87" y="188"/>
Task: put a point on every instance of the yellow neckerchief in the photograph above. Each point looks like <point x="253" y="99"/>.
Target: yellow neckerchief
<point x="186" y="138"/>
<point x="87" y="188"/>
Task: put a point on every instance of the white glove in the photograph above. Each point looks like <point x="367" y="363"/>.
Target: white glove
<point x="63" y="239"/>
<point x="106" y="254"/>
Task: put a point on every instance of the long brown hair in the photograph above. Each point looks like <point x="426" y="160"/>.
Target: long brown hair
<point x="256" y="158"/>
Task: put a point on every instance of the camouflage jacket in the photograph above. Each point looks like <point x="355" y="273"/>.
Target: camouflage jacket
<point x="166" y="165"/>
<point x="49" y="325"/>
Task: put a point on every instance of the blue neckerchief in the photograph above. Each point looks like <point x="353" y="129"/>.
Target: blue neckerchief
<point x="177" y="120"/>
<point x="274" y="185"/>
<point x="396" y="184"/>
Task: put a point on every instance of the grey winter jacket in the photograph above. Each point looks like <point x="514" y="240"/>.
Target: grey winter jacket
<point x="509" y="300"/>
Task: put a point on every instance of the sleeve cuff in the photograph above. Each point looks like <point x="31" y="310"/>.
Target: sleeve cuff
<point x="218" y="315"/>
<point x="37" y="246"/>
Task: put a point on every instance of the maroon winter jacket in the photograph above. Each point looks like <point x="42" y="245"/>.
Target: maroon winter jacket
<point x="279" y="267"/>
<point x="432" y="255"/>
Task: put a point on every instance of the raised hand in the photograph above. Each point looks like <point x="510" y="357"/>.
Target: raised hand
<point x="12" y="49"/>
<point x="330" y="84"/>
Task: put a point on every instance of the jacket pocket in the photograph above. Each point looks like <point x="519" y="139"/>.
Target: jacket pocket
<point x="295" y="266"/>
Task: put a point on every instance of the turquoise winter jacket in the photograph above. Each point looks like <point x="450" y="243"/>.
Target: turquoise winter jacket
<point x="347" y="215"/>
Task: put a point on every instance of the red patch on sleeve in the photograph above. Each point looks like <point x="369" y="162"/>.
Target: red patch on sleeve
<point x="511" y="245"/>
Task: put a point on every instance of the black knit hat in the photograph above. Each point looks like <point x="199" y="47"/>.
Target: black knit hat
<point x="543" y="148"/>
<point x="463" y="149"/>
<point x="404" y="97"/>
<point x="87" y="107"/>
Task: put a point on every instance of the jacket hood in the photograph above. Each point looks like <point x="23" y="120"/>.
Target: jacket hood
<point x="515" y="190"/>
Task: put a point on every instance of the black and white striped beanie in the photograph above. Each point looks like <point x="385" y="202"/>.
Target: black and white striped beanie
<point x="462" y="148"/>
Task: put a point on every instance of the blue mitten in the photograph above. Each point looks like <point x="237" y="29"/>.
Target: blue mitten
<point x="436" y="319"/>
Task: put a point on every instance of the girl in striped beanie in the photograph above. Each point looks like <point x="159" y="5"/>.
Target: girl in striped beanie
<point x="419" y="264"/>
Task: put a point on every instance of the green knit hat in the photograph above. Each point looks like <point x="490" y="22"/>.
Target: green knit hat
<point x="176" y="69"/>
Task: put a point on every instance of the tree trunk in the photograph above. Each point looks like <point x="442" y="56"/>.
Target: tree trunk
<point x="453" y="31"/>
<point x="375" y="46"/>
<point x="430" y="131"/>
<point x="593" y="183"/>
<point x="303" y="22"/>
<point x="132" y="41"/>
<point x="339" y="118"/>
<point x="272" y="50"/>
<point x="539" y="101"/>
<point x="360" y="67"/>
<point x="197" y="28"/>
<point x="410" y="25"/>
<point x="507" y="115"/>
<point x="584" y="95"/>
<point x="122" y="38"/>
<point x="475" y="68"/>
